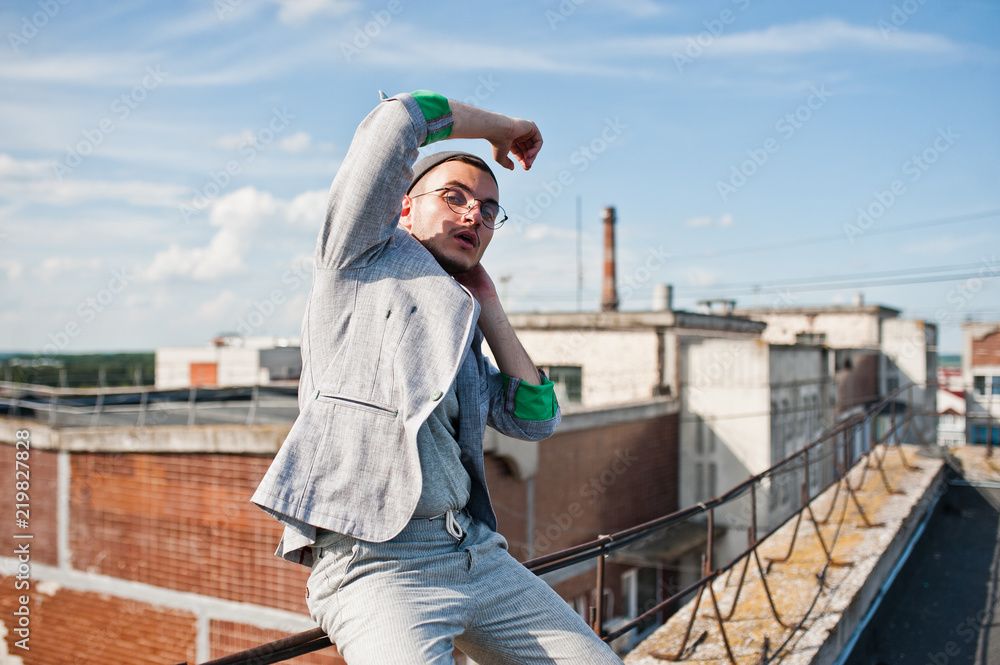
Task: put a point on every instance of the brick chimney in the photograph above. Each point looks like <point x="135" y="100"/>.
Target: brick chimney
<point x="609" y="295"/>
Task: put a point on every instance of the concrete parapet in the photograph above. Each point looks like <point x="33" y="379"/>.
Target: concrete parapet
<point x="824" y="603"/>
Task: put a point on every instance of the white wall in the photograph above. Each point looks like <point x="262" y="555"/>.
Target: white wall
<point x="173" y="364"/>
<point x="619" y="366"/>
<point x="911" y="346"/>
<point x="235" y="366"/>
<point x="843" y="330"/>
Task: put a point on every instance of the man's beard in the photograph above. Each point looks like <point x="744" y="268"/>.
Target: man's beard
<point x="450" y="266"/>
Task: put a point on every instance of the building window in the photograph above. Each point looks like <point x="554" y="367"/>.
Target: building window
<point x="979" y="385"/>
<point x="568" y="382"/>
<point x="981" y="432"/>
<point x="996" y="385"/>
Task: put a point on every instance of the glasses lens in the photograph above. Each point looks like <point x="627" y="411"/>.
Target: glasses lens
<point x="461" y="203"/>
<point x="456" y="200"/>
<point x="499" y="218"/>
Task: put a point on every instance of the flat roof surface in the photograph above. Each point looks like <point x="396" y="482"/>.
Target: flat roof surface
<point x="942" y="606"/>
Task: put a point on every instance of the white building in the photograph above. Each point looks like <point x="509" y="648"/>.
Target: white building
<point x="606" y="358"/>
<point x="981" y="376"/>
<point x="876" y="353"/>
<point x="229" y="361"/>
<point x="746" y="405"/>
<point x="951" y="417"/>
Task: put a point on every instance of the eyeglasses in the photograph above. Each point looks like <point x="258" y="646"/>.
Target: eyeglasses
<point x="460" y="202"/>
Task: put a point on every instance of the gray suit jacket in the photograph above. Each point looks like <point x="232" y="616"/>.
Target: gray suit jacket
<point x="384" y="335"/>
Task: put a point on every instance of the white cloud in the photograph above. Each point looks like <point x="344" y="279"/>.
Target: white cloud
<point x="218" y="307"/>
<point x="412" y="45"/>
<point x="14" y="269"/>
<point x="34" y="181"/>
<point x="297" y="142"/>
<point x="14" y="168"/>
<point x="726" y="220"/>
<point x="234" y="141"/>
<point x="698" y="221"/>
<point x="105" y="70"/>
<point x="72" y="192"/>
<point x="238" y="216"/>
<point x="297" y="11"/>
<point x="542" y="231"/>
<point x="633" y="8"/>
<point x="701" y="277"/>
<point x="308" y="208"/>
<point x="54" y="266"/>
<point x="791" y="39"/>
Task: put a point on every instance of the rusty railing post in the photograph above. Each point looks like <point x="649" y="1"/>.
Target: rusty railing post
<point x="599" y="601"/>
<point x="707" y="569"/>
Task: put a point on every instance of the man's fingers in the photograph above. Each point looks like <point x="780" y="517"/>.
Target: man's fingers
<point x="501" y="158"/>
<point x="527" y="150"/>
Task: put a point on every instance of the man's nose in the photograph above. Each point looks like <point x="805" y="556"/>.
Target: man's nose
<point x="474" y="213"/>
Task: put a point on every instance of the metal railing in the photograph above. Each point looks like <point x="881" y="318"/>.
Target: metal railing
<point x="823" y="463"/>
<point x="147" y="406"/>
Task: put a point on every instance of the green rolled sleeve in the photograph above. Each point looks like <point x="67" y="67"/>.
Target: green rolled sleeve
<point x="437" y="113"/>
<point x="533" y="402"/>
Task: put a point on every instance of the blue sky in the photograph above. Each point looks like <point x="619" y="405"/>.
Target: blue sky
<point x="163" y="166"/>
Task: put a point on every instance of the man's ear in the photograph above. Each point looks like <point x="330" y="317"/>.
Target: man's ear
<point x="405" y="218"/>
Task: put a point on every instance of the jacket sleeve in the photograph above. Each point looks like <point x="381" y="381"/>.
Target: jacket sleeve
<point x="530" y="414"/>
<point x="365" y="198"/>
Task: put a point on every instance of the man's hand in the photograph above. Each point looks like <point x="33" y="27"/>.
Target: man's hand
<point x="479" y="284"/>
<point x="508" y="136"/>
<point x="523" y="142"/>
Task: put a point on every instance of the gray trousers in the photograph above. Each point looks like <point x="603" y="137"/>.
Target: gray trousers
<point x="411" y="600"/>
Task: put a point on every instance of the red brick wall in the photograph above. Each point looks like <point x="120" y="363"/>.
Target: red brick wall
<point x="229" y="637"/>
<point x="509" y="496"/>
<point x="181" y="521"/>
<point x="75" y="628"/>
<point x="590" y="482"/>
<point x="42" y="503"/>
<point x="986" y="351"/>
<point x="597" y="481"/>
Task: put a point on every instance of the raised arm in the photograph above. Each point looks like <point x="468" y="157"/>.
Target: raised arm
<point x="520" y="139"/>
<point x="511" y="357"/>
<point x="507" y="135"/>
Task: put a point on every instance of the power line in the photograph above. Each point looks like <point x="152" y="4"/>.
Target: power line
<point x="898" y="228"/>
<point x="808" y="284"/>
<point x="828" y="279"/>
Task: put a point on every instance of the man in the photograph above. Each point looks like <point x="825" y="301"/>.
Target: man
<point x="380" y="483"/>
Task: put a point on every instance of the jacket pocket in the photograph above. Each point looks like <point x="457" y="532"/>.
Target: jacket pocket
<point x="355" y="403"/>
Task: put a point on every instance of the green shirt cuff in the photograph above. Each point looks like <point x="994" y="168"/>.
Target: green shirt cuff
<point x="533" y="402"/>
<point x="437" y="113"/>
